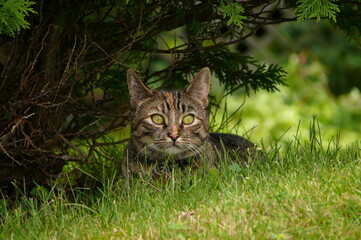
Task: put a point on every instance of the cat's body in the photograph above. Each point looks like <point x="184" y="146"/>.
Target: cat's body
<point x="174" y="125"/>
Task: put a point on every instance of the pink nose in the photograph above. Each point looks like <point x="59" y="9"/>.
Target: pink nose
<point x="174" y="136"/>
<point x="173" y="133"/>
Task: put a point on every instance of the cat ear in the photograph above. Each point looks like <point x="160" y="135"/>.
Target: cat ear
<point x="199" y="87"/>
<point x="137" y="90"/>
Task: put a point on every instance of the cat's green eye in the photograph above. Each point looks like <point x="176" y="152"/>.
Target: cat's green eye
<point x="157" y="119"/>
<point x="188" y="119"/>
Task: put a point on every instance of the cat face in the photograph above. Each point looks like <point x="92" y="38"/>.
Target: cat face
<point x="169" y="123"/>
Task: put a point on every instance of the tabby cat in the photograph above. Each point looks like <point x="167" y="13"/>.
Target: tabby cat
<point x="174" y="125"/>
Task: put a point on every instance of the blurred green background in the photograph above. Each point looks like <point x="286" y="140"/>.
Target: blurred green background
<point x="324" y="81"/>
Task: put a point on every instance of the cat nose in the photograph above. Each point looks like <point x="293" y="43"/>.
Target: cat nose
<point x="174" y="136"/>
<point x="173" y="133"/>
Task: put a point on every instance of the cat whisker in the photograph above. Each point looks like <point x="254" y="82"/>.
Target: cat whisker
<point x="140" y="152"/>
<point x="195" y="150"/>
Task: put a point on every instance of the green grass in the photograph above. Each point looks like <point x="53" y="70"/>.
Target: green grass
<point x="305" y="191"/>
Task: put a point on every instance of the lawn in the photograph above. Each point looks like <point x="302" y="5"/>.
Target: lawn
<point x="306" y="190"/>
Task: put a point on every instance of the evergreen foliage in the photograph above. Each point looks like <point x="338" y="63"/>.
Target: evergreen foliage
<point x="234" y="11"/>
<point x="308" y="9"/>
<point x="12" y="15"/>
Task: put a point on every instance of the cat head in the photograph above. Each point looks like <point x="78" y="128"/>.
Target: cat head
<point x="169" y="123"/>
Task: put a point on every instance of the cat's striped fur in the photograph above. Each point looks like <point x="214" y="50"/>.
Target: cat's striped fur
<point x="174" y="125"/>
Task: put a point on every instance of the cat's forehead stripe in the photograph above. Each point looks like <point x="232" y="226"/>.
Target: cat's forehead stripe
<point x="166" y="101"/>
<point x="171" y="100"/>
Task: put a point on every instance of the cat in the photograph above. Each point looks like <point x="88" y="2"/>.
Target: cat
<point x="174" y="125"/>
